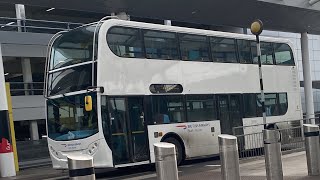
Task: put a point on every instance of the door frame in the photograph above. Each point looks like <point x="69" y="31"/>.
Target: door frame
<point x="228" y="98"/>
<point x="129" y="129"/>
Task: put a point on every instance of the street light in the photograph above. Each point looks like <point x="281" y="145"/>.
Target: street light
<point x="256" y="29"/>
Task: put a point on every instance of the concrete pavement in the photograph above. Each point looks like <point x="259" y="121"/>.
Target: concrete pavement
<point x="294" y="168"/>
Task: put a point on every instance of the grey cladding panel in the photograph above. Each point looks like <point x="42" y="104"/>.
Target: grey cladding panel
<point x="20" y="50"/>
<point x="8" y="37"/>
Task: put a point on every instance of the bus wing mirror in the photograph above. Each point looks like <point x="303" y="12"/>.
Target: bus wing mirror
<point x="88" y="103"/>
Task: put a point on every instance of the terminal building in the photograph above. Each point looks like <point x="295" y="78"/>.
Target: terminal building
<point x="27" y="26"/>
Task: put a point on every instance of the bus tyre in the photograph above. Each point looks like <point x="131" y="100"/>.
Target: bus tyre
<point x="179" y="151"/>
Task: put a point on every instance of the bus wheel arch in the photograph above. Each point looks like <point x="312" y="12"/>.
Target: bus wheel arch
<point x="172" y="138"/>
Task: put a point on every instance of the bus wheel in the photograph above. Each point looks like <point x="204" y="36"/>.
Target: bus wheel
<point x="179" y="150"/>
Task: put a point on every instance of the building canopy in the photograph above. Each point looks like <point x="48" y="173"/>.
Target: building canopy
<point x="235" y="13"/>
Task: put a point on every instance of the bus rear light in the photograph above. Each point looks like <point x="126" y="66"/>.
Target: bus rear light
<point x="160" y="134"/>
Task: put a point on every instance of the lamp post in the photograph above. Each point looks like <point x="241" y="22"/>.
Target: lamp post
<point x="256" y="29"/>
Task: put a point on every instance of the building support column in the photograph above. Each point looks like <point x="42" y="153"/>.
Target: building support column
<point x="26" y="69"/>
<point x="20" y="15"/>
<point x="123" y="16"/>
<point x="307" y="78"/>
<point x="27" y="75"/>
<point x="167" y="22"/>
<point x="34" y="132"/>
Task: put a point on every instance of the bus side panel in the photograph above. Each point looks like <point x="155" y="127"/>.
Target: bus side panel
<point x="199" y="138"/>
<point x="153" y="130"/>
<point x="203" y="138"/>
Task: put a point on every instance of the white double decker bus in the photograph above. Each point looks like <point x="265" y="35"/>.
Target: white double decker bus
<point x="116" y="87"/>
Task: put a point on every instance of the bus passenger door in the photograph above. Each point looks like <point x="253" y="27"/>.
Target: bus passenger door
<point x="119" y="130"/>
<point x="138" y="134"/>
<point x="225" y="122"/>
<point x="129" y="139"/>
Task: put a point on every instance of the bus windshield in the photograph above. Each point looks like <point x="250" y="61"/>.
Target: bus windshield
<point x="73" y="47"/>
<point x="70" y="80"/>
<point x="68" y="119"/>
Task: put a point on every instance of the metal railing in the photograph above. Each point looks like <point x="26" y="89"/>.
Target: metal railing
<point x="21" y="89"/>
<point x="36" y="26"/>
<point x="250" y="138"/>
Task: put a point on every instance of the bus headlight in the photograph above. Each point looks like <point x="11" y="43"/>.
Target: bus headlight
<point x="92" y="148"/>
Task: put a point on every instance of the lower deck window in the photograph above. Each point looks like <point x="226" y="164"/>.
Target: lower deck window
<point x="201" y="107"/>
<point x="168" y="109"/>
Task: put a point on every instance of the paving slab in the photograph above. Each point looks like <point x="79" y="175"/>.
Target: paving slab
<point x="294" y="168"/>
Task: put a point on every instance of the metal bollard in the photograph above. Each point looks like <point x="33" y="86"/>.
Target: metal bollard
<point x="311" y="134"/>
<point x="229" y="157"/>
<point x="166" y="162"/>
<point x="81" y="167"/>
<point x="272" y="148"/>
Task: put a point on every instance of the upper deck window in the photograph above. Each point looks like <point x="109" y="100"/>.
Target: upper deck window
<point x="161" y="45"/>
<point x="73" y="47"/>
<point x="223" y="49"/>
<point x="245" y="51"/>
<point x="165" y="45"/>
<point x="266" y="53"/>
<point x="125" y="42"/>
<point x="283" y="54"/>
<point x="194" y="48"/>
<point x="70" y="80"/>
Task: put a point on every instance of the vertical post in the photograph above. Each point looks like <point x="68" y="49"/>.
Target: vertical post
<point x="311" y="134"/>
<point x="34" y="131"/>
<point x="166" y="161"/>
<point x="272" y="148"/>
<point x="11" y="125"/>
<point x="7" y="166"/>
<point x="264" y="115"/>
<point x="307" y="78"/>
<point x="20" y="15"/>
<point x="27" y="75"/>
<point x="256" y="29"/>
<point x="229" y="157"/>
<point x="81" y="167"/>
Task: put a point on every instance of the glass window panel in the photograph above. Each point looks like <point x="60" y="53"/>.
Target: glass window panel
<point x="68" y="120"/>
<point x="266" y="53"/>
<point x="201" y="108"/>
<point x="244" y="47"/>
<point x="194" y="48"/>
<point x="250" y="105"/>
<point x="283" y="54"/>
<point x="125" y="42"/>
<point x="73" y="47"/>
<point x="161" y="45"/>
<point x="271" y="104"/>
<point x="167" y="109"/>
<point x="254" y="52"/>
<point x="283" y="101"/>
<point x="223" y="49"/>
<point x="71" y="79"/>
